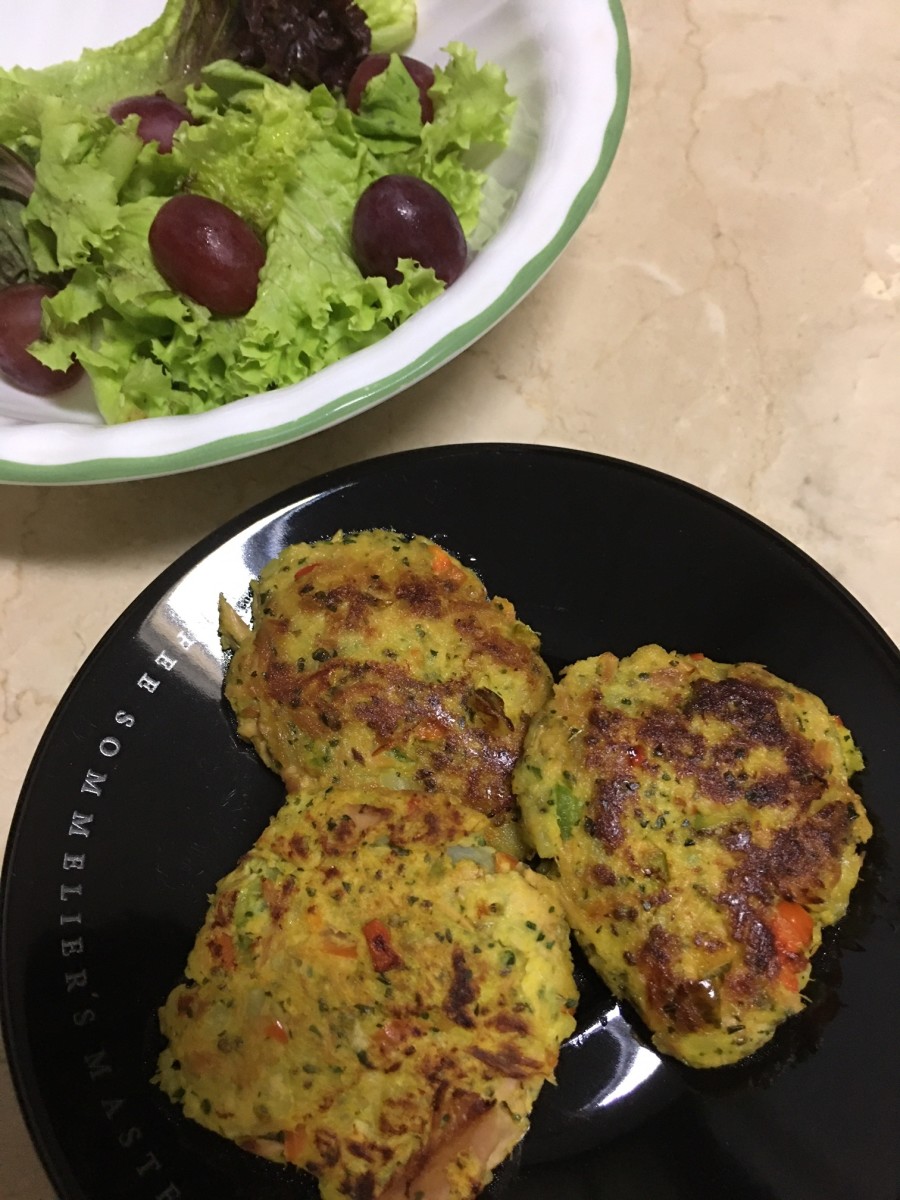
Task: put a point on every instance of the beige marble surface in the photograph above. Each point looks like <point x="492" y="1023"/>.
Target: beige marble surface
<point x="728" y="314"/>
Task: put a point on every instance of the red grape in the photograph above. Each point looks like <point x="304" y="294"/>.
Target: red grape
<point x="374" y="64"/>
<point x="20" y="325"/>
<point x="158" y="116"/>
<point x="205" y="250"/>
<point x="400" y="216"/>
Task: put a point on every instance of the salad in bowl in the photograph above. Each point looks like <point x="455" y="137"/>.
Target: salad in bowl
<point x="252" y="218"/>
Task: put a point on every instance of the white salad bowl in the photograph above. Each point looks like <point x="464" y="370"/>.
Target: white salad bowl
<point x="568" y="66"/>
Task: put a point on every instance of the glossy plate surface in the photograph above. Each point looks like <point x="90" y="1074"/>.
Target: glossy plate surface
<point x="140" y="798"/>
<point x="568" y="65"/>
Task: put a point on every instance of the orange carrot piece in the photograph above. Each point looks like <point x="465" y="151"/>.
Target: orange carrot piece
<point x="378" y="939"/>
<point x="294" y="1144"/>
<point x="340" y="949"/>
<point x="277" y="1032"/>
<point x="787" y="977"/>
<point x="442" y="564"/>
<point x="792" y="927"/>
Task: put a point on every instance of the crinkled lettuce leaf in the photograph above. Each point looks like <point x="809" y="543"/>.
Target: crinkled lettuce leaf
<point x="17" y="263"/>
<point x="472" y="115"/>
<point x="392" y="22"/>
<point x="85" y="161"/>
<point x="251" y="138"/>
<point x="390" y="114"/>
<point x="16" y="185"/>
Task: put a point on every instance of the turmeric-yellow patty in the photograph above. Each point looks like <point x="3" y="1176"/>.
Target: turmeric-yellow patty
<point x="377" y="996"/>
<point x="377" y="658"/>
<point x="704" y="831"/>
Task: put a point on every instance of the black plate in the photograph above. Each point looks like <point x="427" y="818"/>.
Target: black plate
<point x="140" y="798"/>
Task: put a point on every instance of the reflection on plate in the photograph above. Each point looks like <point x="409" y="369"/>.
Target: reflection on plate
<point x="140" y="798"/>
<point x="568" y="66"/>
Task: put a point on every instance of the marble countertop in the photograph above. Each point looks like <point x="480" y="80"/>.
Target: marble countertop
<point x="728" y="314"/>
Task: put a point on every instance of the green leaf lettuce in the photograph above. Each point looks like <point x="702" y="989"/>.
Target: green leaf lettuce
<point x="292" y="163"/>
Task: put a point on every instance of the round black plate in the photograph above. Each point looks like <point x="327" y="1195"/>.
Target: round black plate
<point x="140" y="797"/>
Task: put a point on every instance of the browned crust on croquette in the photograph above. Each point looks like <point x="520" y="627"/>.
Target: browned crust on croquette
<point x="375" y="658"/>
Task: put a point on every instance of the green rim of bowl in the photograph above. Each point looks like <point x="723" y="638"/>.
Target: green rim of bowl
<point x="108" y="470"/>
